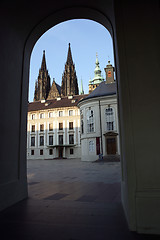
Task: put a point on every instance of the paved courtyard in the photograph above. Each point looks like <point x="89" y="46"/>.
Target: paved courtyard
<point x="69" y="200"/>
<point x="74" y="180"/>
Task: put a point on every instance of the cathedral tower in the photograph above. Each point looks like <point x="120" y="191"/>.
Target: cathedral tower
<point x="42" y="85"/>
<point x="69" y="78"/>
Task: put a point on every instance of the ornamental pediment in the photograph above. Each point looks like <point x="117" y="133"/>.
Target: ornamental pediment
<point x="111" y="133"/>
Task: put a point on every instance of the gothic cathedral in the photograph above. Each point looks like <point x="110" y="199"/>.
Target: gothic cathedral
<point x="43" y="89"/>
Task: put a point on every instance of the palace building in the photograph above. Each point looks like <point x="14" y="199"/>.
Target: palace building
<point x="54" y="128"/>
<point x="99" y="119"/>
<point x="64" y="124"/>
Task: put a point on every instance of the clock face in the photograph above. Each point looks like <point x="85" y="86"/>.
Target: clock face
<point x="109" y="74"/>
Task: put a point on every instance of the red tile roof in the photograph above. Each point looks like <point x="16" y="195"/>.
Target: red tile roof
<point x="54" y="103"/>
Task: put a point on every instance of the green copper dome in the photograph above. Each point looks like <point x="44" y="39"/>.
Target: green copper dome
<point x="97" y="73"/>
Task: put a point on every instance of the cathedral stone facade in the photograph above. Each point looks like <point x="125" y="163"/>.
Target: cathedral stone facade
<point x="42" y="85"/>
<point x="43" y="88"/>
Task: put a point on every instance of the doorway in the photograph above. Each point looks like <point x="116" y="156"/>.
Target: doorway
<point x="111" y="146"/>
<point x="60" y="152"/>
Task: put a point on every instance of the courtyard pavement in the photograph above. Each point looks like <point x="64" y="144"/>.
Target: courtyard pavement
<point x="69" y="200"/>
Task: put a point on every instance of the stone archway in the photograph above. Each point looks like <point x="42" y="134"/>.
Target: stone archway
<point x="129" y="23"/>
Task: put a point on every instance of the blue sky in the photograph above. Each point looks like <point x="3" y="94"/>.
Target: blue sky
<point x="86" y="37"/>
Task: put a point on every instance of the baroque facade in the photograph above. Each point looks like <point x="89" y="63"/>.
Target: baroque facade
<point x="54" y="128"/>
<point x="99" y="123"/>
<point x="99" y="117"/>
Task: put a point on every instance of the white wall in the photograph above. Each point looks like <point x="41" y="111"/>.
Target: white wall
<point x="55" y="120"/>
<point x="86" y="154"/>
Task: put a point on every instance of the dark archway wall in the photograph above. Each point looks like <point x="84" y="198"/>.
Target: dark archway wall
<point x="134" y="28"/>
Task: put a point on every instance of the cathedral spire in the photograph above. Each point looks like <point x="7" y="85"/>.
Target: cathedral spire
<point x="69" y="78"/>
<point x="42" y="86"/>
<point x="81" y="89"/>
<point x="69" y="56"/>
<point x="43" y="64"/>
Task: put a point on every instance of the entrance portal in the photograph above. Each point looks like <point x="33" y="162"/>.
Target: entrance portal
<point x="60" y="152"/>
<point x="111" y="145"/>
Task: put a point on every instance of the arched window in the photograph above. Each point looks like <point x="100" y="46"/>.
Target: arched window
<point x="110" y="119"/>
<point x="82" y="123"/>
<point x="90" y="121"/>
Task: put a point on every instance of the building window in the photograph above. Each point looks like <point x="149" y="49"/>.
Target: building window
<point x="50" y="126"/>
<point x="50" y="114"/>
<point x="82" y="123"/>
<point x="71" y="151"/>
<point x="41" y="140"/>
<point x="91" y="146"/>
<point x="32" y="152"/>
<point x="110" y="126"/>
<point x="33" y="116"/>
<point x="33" y="128"/>
<point x="41" y="127"/>
<point x="41" y="151"/>
<point x="61" y="139"/>
<point x="70" y="112"/>
<point x="90" y="121"/>
<point x="110" y="119"/>
<point x="32" y="141"/>
<point x="82" y="126"/>
<point x="41" y="115"/>
<point x="71" y="139"/>
<point x="51" y="140"/>
<point x="109" y="74"/>
<point x="70" y="125"/>
<point x="60" y="126"/>
<point x="60" y="113"/>
<point x="50" y="151"/>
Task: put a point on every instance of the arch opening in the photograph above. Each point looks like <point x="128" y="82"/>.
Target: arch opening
<point x="103" y="138"/>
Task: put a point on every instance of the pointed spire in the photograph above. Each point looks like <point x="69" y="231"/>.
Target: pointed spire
<point x="42" y="86"/>
<point x="97" y="62"/>
<point x="81" y="89"/>
<point x="69" y="78"/>
<point x="69" y="56"/>
<point x="43" y="64"/>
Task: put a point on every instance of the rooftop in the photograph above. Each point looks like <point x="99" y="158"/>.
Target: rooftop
<point x="104" y="89"/>
<point x="54" y="103"/>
